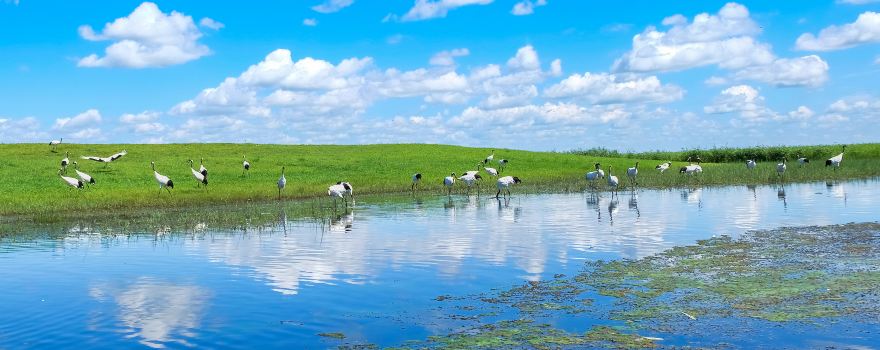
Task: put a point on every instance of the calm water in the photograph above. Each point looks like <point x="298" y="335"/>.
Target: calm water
<point x="372" y="274"/>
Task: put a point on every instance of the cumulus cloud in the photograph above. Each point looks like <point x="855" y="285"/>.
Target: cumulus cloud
<point x="447" y="57"/>
<point x="866" y="29"/>
<point x="26" y="129"/>
<point x="310" y="22"/>
<point x="725" y="39"/>
<point x="743" y="100"/>
<point x="803" y="71"/>
<point x="84" y="119"/>
<point x="526" y="7"/>
<point x="211" y="24"/>
<point x="428" y="9"/>
<point x="146" y="38"/>
<point x="331" y="6"/>
<point x="604" y="88"/>
<point x="715" y="81"/>
<point x="143" y="123"/>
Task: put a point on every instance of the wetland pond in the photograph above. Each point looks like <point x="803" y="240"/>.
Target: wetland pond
<point x="573" y="270"/>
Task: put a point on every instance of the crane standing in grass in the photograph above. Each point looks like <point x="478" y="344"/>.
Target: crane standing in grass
<point x="65" y="162"/>
<point x="163" y="181"/>
<point x="802" y="160"/>
<point x="85" y="178"/>
<point x="200" y="177"/>
<point x="501" y="164"/>
<point x="416" y="179"/>
<point x="202" y="169"/>
<point x="246" y="166"/>
<point x="662" y="167"/>
<point x="72" y="182"/>
<point x="780" y="169"/>
<point x="751" y="164"/>
<point x="631" y="173"/>
<point x="489" y="158"/>
<point x="282" y="182"/>
<point x="836" y="160"/>
<point x="54" y="144"/>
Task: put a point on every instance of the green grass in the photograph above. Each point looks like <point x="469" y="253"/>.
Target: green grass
<point x="32" y="188"/>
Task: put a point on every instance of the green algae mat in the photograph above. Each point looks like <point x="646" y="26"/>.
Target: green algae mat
<point x="806" y="287"/>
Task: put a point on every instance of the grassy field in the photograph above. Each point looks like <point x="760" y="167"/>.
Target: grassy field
<point x="31" y="186"/>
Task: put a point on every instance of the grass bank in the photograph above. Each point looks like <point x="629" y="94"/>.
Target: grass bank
<point x="31" y="186"/>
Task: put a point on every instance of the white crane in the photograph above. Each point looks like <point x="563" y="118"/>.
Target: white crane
<point x="75" y="183"/>
<point x="631" y="173"/>
<point x="501" y="164"/>
<point x="282" y="182"/>
<point x="449" y="181"/>
<point x="106" y="160"/>
<point x="164" y="181"/>
<point x="416" y="179"/>
<point x="65" y="162"/>
<point x="780" y="169"/>
<point x="594" y="175"/>
<point x="751" y="164"/>
<point x="201" y="178"/>
<point x="54" y="144"/>
<point x="85" y="178"/>
<point x="612" y="181"/>
<point x="504" y="184"/>
<point x="662" y="167"/>
<point x="246" y="166"/>
<point x="470" y="180"/>
<point x="474" y="172"/>
<point x="489" y="158"/>
<point x="691" y="169"/>
<point x="491" y="171"/>
<point x="802" y="160"/>
<point x="348" y="189"/>
<point x="338" y="191"/>
<point x="202" y="169"/>
<point x="836" y="160"/>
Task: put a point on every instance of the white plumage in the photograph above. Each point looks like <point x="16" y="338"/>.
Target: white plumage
<point x="691" y="169"/>
<point x="339" y="190"/>
<point x="201" y="178"/>
<point x="802" y="160"/>
<point x="489" y="158"/>
<point x="282" y="182"/>
<point x="202" y="169"/>
<point x="751" y="164"/>
<point x="504" y="184"/>
<point x="163" y="181"/>
<point x="246" y="166"/>
<point x="613" y="182"/>
<point x="65" y="162"/>
<point x="632" y="172"/>
<point x="106" y="160"/>
<point x="491" y="171"/>
<point x="85" y="178"/>
<point x="780" y="168"/>
<point x="54" y="143"/>
<point x="449" y="181"/>
<point x="75" y="183"/>
<point x="594" y="175"/>
<point x="836" y="160"/>
<point x="663" y="167"/>
<point x="470" y="180"/>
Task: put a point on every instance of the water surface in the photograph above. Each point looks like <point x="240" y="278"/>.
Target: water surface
<point x="372" y="273"/>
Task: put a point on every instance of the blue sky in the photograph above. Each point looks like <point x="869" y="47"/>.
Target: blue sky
<point x="541" y="75"/>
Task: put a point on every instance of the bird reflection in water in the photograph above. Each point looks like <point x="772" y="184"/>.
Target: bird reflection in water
<point x="506" y="212"/>
<point x="342" y="223"/>
<point x="754" y="190"/>
<point x="780" y="194"/>
<point x="634" y="204"/>
<point x="593" y="203"/>
<point x="693" y="195"/>
<point x="836" y="189"/>
<point x="612" y="209"/>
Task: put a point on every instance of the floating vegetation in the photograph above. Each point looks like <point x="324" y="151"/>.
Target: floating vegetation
<point x="719" y="292"/>
<point x="334" y="335"/>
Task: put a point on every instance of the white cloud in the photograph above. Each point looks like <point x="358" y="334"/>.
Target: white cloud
<point x="866" y="29"/>
<point x="142" y="117"/>
<point x="146" y="38"/>
<point x="603" y="88"/>
<point x="211" y="24"/>
<point x="447" y="57"/>
<point x="88" y="133"/>
<point x="742" y="99"/>
<point x="84" y="119"/>
<point x="143" y="123"/>
<point x="330" y="6"/>
<point x="310" y="22"/>
<point x="803" y="71"/>
<point x="428" y="9"/>
<point x="394" y="39"/>
<point x="715" y="81"/>
<point x="802" y="113"/>
<point x="526" y="59"/>
<point x="21" y="130"/>
<point x="725" y="39"/>
<point x="556" y="68"/>
<point x="526" y="7"/>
